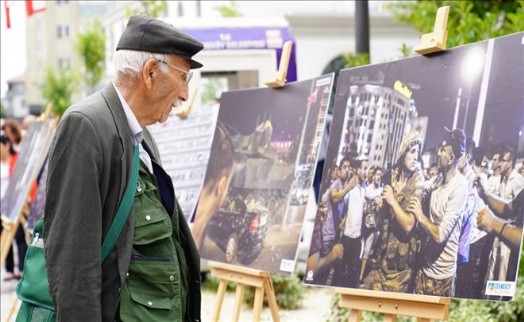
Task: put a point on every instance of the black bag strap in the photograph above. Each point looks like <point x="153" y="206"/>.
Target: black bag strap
<point x="123" y="209"/>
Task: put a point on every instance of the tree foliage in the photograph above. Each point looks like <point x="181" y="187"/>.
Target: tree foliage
<point x="58" y="89"/>
<point x="230" y="10"/>
<point x="150" y="8"/>
<point x="91" y="46"/>
<point x="289" y="292"/>
<point x="353" y="60"/>
<point x="468" y="21"/>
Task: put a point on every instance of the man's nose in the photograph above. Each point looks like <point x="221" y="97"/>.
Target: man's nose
<point x="183" y="96"/>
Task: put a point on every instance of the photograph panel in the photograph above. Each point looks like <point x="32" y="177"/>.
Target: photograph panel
<point x="260" y="173"/>
<point x="410" y="195"/>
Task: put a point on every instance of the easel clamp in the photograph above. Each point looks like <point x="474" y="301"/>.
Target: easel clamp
<point x="437" y="40"/>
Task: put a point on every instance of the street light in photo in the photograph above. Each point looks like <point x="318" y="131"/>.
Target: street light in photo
<point x="472" y="67"/>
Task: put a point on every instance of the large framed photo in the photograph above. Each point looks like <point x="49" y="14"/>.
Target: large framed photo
<point x="259" y="175"/>
<point x="422" y="186"/>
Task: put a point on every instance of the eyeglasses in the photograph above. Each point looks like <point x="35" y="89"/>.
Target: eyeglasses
<point x="187" y="74"/>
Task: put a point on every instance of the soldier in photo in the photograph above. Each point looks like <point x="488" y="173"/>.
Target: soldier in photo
<point x="397" y="244"/>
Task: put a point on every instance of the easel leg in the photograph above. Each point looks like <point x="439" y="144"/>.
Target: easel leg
<point x="272" y="299"/>
<point x="259" y="300"/>
<point x="8" y="235"/>
<point x="23" y="221"/>
<point x="13" y="309"/>
<point x="238" y="302"/>
<point x="220" y="299"/>
<point x="356" y="315"/>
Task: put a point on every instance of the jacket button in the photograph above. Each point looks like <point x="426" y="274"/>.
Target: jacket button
<point x="148" y="218"/>
<point x="171" y="278"/>
<point x="127" y="275"/>
<point x="149" y="303"/>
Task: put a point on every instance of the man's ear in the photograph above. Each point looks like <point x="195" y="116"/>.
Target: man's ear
<point x="452" y="156"/>
<point x="149" y="72"/>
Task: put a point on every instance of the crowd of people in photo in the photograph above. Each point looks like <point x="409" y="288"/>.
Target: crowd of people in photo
<point x="444" y="230"/>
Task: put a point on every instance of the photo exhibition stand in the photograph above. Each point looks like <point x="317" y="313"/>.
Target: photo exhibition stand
<point x="424" y="308"/>
<point x="9" y="231"/>
<point x="242" y="276"/>
<point x="11" y="226"/>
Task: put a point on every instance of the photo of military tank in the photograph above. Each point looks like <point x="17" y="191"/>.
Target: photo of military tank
<point x="275" y="136"/>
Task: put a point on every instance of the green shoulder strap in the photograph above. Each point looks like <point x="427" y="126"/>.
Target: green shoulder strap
<point x="123" y="209"/>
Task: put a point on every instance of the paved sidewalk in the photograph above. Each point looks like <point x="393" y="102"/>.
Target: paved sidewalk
<point x="8" y="296"/>
<point x="315" y="306"/>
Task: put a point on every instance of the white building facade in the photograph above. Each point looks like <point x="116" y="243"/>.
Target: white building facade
<point x="322" y="29"/>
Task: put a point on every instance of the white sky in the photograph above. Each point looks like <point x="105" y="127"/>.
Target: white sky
<point x="12" y="43"/>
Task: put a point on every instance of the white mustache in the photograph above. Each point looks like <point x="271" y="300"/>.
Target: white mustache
<point x="175" y="105"/>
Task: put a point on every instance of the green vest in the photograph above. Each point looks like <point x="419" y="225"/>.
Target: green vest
<point x="156" y="288"/>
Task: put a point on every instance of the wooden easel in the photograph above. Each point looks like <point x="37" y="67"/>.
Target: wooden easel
<point x="243" y="276"/>
<point x="9" y="232"/>
<point x="424" y="308"/>
<point x="10" y="227"/>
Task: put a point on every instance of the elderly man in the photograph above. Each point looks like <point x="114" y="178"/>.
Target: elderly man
<point x="153" y="273"/>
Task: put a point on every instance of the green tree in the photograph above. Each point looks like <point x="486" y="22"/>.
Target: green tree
<point x="58" y="89"/>
<point x="150" y="8"/>
<point x="229" y="10"/>
<point x="354" y="60"/>
<point x="2" y="110"/>
<point x="468" y="21"/>
<point x="91" y="46"/>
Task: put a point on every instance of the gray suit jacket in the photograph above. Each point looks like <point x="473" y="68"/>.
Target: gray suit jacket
<point x="89" y="166"/>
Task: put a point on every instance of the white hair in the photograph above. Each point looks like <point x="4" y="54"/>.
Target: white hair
<point x="131" y="62"/>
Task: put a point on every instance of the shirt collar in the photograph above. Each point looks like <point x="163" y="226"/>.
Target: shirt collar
<point x="134" y="126"/>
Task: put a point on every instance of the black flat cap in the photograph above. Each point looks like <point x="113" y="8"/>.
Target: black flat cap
<point x="147" y="34"/>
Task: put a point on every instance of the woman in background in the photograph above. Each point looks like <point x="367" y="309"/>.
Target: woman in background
<point x="8" y="157"/>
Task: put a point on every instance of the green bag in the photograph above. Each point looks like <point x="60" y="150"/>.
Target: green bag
<point x="33" y="288"/>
